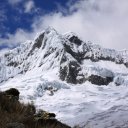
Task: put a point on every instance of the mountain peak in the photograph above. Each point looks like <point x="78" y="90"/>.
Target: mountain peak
<point x="38" y="69"/>
<point x="70" y="34"/>
<point x="50" y="30"/>
<point x="66" y="53"/>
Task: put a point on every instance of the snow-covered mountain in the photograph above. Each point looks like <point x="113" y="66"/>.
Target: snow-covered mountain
<point x="62" y="74"/>
<point x="67" y="53"/>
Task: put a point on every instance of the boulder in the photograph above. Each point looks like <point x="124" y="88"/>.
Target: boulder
<point x="99" y="80"/>
<point x="44" y="115"/>
<point x="12" y="92"/>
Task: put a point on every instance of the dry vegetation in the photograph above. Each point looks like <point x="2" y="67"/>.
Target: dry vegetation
<point x="14" y="114"/>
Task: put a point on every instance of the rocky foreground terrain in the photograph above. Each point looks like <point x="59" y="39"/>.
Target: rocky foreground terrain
<point x="17" y="115"/>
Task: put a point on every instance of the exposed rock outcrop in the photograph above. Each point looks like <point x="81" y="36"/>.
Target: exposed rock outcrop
<point x="18" y="115"/>
<point x="98" y="80"/>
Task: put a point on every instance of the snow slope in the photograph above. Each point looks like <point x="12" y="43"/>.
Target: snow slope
<point x="59" y="73"/>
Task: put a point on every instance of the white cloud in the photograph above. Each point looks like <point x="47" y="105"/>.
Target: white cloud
<point x="3" y="17"/>
<point x="18" y="37"/>
<point x="100" y="21"/>
<point x="29" y="6"/>
<point x="14" y="2"/>
<point x="23" y="6"/>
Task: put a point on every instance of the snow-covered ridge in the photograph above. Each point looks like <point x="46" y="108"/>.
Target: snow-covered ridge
<point x="67" y="53"/>
<point x="45" y="70"/>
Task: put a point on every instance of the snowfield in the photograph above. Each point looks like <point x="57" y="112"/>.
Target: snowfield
<point x="84" y="104"/>
<point x="53" y="72"/>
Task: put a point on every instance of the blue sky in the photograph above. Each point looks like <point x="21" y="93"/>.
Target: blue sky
<point x="20" y="14"/>
<point x="102" y="22"/>
<point x="14" y="14"/>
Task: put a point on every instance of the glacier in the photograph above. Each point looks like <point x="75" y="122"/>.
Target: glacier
<point x="83" y="83"/>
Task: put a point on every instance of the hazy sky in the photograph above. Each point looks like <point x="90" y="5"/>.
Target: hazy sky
<point x="103" y="22"/>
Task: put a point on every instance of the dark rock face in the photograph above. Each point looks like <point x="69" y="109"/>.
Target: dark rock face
<point x="52" y="115"/>
<point x="126" y="64"/>
<point x="52" y="123"/>
<point x="73" y="69"/>
<point x="37" y="44"/>
<point x="51" y="50"/>
<point x="98" y="80"/>
<point x="78" y="56"/>
<point x="15" y="64"/>
<point x="12" y="91"/>
<point x="38" y="41"/>
<point x="76" y="40"/>
<point x="44" y="115"/>
<point x="70" y="72"/>
<point x="46" y="119"/>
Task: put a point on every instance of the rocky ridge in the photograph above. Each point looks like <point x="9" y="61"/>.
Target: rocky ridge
<point x="67" y="53"/>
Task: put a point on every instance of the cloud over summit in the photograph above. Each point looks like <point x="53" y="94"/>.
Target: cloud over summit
<point x="100" y="21"/>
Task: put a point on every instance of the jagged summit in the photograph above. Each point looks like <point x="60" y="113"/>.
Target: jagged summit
<point x="66" y="54"/>
<point x="45" y="70"/>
